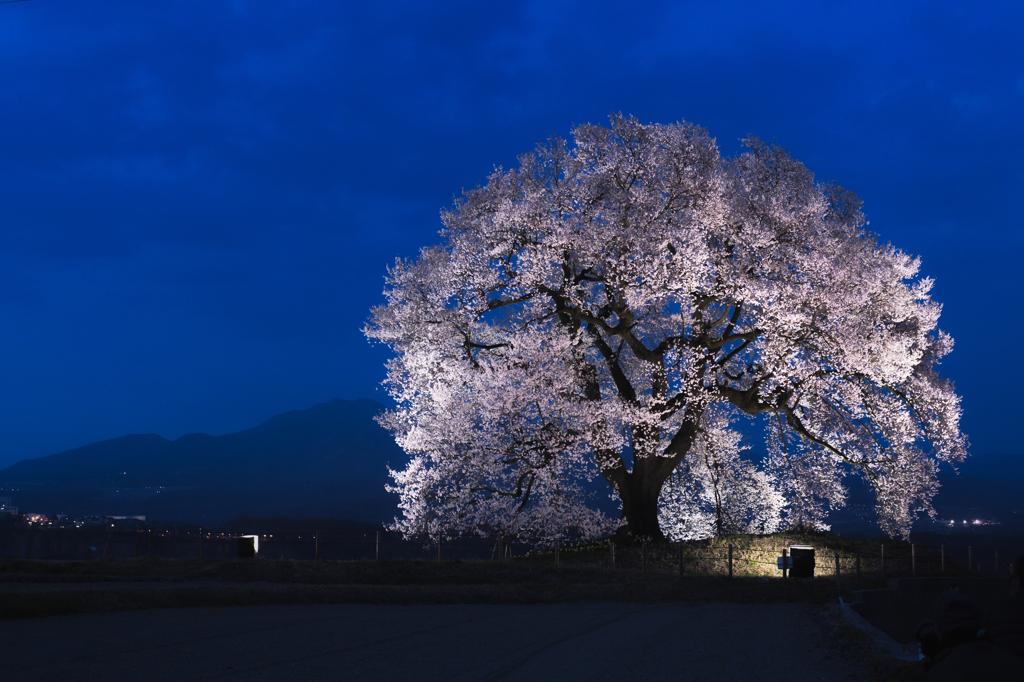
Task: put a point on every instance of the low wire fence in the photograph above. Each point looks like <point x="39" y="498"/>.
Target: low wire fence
<point x="741" y="556"/>
<point x="763" y="557"/>
<point x="89" y="544"/>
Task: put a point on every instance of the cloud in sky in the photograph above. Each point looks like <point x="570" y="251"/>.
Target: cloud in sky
<point x="199" y="199"/>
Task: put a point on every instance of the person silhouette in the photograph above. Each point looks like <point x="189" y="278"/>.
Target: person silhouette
<point x="1004" y="624"/>
<point x="964" y="655"/>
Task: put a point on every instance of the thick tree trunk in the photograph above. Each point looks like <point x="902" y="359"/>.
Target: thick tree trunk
<point x="640" y="507"/>
<point x="639" y="489"/>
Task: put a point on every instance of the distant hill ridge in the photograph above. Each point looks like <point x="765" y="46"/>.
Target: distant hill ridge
<point x="333" y="440"/>
<point x="299" y="462"/>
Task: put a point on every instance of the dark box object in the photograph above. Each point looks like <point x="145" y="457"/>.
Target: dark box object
<point x="246" y="548"/>
<point x="803" y="561"/>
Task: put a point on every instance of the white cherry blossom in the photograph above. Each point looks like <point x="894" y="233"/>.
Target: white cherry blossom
<point x="607" y="296"/>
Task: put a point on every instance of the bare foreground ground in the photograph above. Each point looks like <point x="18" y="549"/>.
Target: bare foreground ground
<point x="586" y="641"/>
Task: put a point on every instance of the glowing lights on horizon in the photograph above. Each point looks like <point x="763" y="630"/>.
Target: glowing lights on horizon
<point x="953" y="523"/>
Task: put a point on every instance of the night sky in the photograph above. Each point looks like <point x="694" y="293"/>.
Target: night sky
<point x="198" y="200"/>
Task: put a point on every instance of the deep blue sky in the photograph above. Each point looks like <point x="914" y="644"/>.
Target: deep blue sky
<point x="198" y="200"/>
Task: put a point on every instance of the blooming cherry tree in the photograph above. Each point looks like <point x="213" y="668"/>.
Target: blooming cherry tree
<point x="714" y="492"/>
<point x="589" y="311"/>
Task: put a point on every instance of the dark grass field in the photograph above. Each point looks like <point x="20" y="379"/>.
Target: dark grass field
<point x="31" y="589"/>
<point x="35" y="588"/>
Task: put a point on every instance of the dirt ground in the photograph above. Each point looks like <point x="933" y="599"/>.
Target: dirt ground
<point x="592" y="641"/>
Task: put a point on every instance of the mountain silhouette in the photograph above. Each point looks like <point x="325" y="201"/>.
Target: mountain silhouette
<point x="328" y="460"/>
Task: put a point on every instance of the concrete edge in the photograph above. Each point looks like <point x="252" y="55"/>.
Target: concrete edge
<point x="880" y="638"/>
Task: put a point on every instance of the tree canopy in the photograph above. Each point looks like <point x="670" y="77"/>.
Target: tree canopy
<point x="609" y="306"/>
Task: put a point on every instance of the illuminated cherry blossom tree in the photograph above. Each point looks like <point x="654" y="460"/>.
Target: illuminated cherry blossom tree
<point x="714" y="492"/>
<point x="586" y="310"/>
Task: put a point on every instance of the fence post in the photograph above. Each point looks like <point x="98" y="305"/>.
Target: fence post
<point x="942" y="558"/>
<point x="643" y="557"/>
<point x="167" y="545"/>
<point x="378" y="545"/>
<point x="557" y="544"/>
<point x="680" y="560"/>
<point x="150" y="531"/>
<point x="439" y="550"/>
<point x="970" y="559"/>
<point x="107" y="546"/>
<point x="316" y="544"/>
<point x="883" y="560"/>
<point x="858" y="569"/>
<point x="730" y="562"/>
<point x="136" y="544"/>
<point x="785" y="552"/>
<point x="227" y="550"/>
<point x="997" y="561"/>
<point x="913" y="559"/>
<point x="838" y="586"/>
<point x="199" y="546"/>
<point x="611" y="544"/>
